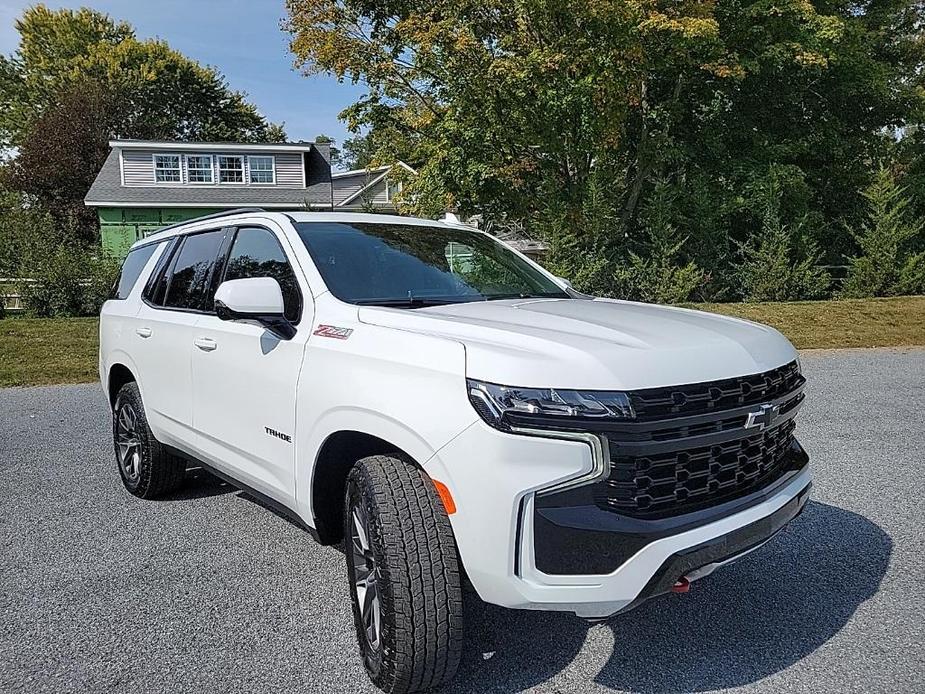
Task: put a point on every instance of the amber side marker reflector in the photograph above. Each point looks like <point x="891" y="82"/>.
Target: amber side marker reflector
<point x="444" y="493"/>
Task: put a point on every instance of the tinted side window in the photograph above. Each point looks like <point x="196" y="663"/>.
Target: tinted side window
<point x="134" y="263"/>
<point x="193" y="269"/>
<point x="257" y="253"/>
<point x="156" y="289"/>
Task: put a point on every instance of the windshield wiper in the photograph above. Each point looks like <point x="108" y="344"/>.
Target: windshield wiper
<point x="527" y="295"/>
<point x="411" y="302"/>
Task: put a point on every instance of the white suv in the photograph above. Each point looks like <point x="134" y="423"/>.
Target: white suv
<point x="447" y="408"/>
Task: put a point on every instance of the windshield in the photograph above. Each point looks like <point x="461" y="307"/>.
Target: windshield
<point x="409" y="265"/>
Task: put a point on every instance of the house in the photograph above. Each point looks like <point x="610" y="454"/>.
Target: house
<point x="371" y="189"/>
<point x="145" y="185"/>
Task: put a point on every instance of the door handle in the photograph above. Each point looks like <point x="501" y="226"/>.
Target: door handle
<point x="206" y="344"/>
<point x="144" y="332"/>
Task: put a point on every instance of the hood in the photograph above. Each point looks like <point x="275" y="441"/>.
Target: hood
<point x="598" y="344"/>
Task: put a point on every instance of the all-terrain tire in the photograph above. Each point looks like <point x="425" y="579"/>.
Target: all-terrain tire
<point x="411" y="545"/>
<point x="152" y="472"/>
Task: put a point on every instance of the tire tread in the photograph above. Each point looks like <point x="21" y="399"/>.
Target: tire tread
<point x="422" y="570"/>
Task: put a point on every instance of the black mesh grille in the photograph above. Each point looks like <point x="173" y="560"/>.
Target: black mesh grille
<point x="676" y="459"/>
<point x="681" y="481"/>
<point x="700" y="398"/>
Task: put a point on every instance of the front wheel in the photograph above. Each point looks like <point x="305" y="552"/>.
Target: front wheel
<point x="404" y="576"/>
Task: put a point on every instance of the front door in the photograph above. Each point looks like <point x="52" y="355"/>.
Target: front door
<point x="245" y="378"/>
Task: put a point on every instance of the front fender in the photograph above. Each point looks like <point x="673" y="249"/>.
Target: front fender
<point x="404" y="388"/>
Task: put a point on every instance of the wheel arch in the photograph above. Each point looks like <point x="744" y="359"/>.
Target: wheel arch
<point x="119" y="374"/>
<point x="336" y="456"/>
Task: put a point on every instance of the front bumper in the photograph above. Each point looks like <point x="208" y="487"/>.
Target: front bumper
<point x="495" y="478"/>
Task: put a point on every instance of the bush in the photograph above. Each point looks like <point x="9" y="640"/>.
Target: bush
<point x="21" y="228"/>
<point x="656" y="272"/>
<point x="778" y="262"/>
<point x="70" y="280"/>
<point x="912" y="275"/>
<point x="887" y="265"/>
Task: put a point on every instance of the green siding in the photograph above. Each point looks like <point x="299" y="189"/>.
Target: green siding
<point x="120" y="227"/>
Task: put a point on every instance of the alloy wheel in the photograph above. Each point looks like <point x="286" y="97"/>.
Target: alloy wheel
<point x="128" y="442"/>
<point x="366" y="578"/>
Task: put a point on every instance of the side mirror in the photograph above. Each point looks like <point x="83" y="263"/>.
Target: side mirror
<point x="565" y="282"/>
<point x="257" y="299"/>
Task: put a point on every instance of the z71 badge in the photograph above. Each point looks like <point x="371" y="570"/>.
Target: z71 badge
<point x="333" y="331"/>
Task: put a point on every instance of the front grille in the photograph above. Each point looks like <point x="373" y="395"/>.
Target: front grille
<point x="702" y="398"/>
<point x="680" y="481"/>
<point x="686" y="453"/>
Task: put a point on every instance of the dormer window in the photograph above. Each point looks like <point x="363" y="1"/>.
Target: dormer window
<point x="199" y="168"/>
<point x="392" y="188"/>
<point x="261" y="169"/>
<point x="230" y="169"/>
<point x="167" y="168"/>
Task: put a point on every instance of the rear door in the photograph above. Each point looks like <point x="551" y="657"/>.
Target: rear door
<point x="173" y="302"/>
<point x="245" y="378"/>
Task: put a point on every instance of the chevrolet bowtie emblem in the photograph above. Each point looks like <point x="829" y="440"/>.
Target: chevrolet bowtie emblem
<point x="763" y="417"/>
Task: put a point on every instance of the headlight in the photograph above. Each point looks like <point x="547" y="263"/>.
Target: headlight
<point x="503" y="406"/>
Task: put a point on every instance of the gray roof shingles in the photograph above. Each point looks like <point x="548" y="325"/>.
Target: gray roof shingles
<point x="108" y="188"/>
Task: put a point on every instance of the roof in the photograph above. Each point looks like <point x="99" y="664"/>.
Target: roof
<point x="373" y="175"/>
<point x="372" y="170"/>
<point x="107" y="191"/>
<point x="360" y="172"/>
<point x="245" y="146"/>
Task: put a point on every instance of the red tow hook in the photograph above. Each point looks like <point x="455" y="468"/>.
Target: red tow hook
<point x="682" y="585"/>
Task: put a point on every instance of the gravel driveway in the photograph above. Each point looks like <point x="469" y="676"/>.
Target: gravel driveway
<point x="210" y="592"/>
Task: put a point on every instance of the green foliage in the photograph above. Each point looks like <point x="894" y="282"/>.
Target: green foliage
<point x="652" y="267"/>
<point x="773" y="267"/>
<point x="567" y="115"/>
<point x="358" y="153"/>
<point x="887" y="264"/>
<point x="161" y="93"/>
<point x="912" y="275"/>
<point x="19" y="227"/>
<point x="79" y="78"/>
<point x="70" y="277"/>
<point x="657" y="272"/>
<point x="69" y="280"/>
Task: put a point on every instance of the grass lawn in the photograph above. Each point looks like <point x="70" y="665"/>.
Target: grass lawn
<point x="894" y="322"/>
<point x="42" y="351"/>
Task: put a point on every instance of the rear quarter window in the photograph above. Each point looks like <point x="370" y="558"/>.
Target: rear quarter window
<point x="132" y="267"/>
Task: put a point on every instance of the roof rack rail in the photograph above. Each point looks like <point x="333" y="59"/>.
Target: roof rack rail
<point x="214" y="215"/>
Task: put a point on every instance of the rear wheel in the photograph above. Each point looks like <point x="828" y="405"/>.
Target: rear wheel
<point x="404" y="576"/>
<point x="146" y="468"/>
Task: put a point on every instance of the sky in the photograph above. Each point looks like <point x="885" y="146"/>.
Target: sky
<point x="242" y="39"/>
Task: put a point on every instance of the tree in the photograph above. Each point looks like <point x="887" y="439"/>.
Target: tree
<point x="656" y="271"/>
<point x="502" y="102"/>
<point x="887" y="264"/>
<point x="63" y="152"/>
<point x="778" y="262"/>
<point x="358" y="152"/>
<point x="79" y="78"/>
<point x="522" y="109"/>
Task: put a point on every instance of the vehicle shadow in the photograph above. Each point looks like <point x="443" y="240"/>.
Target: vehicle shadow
<point x="745" y="622"/>
<point x="198" y="483"/>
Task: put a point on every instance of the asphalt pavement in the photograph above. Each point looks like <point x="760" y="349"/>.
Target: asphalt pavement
<point x="209" y="591"/>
